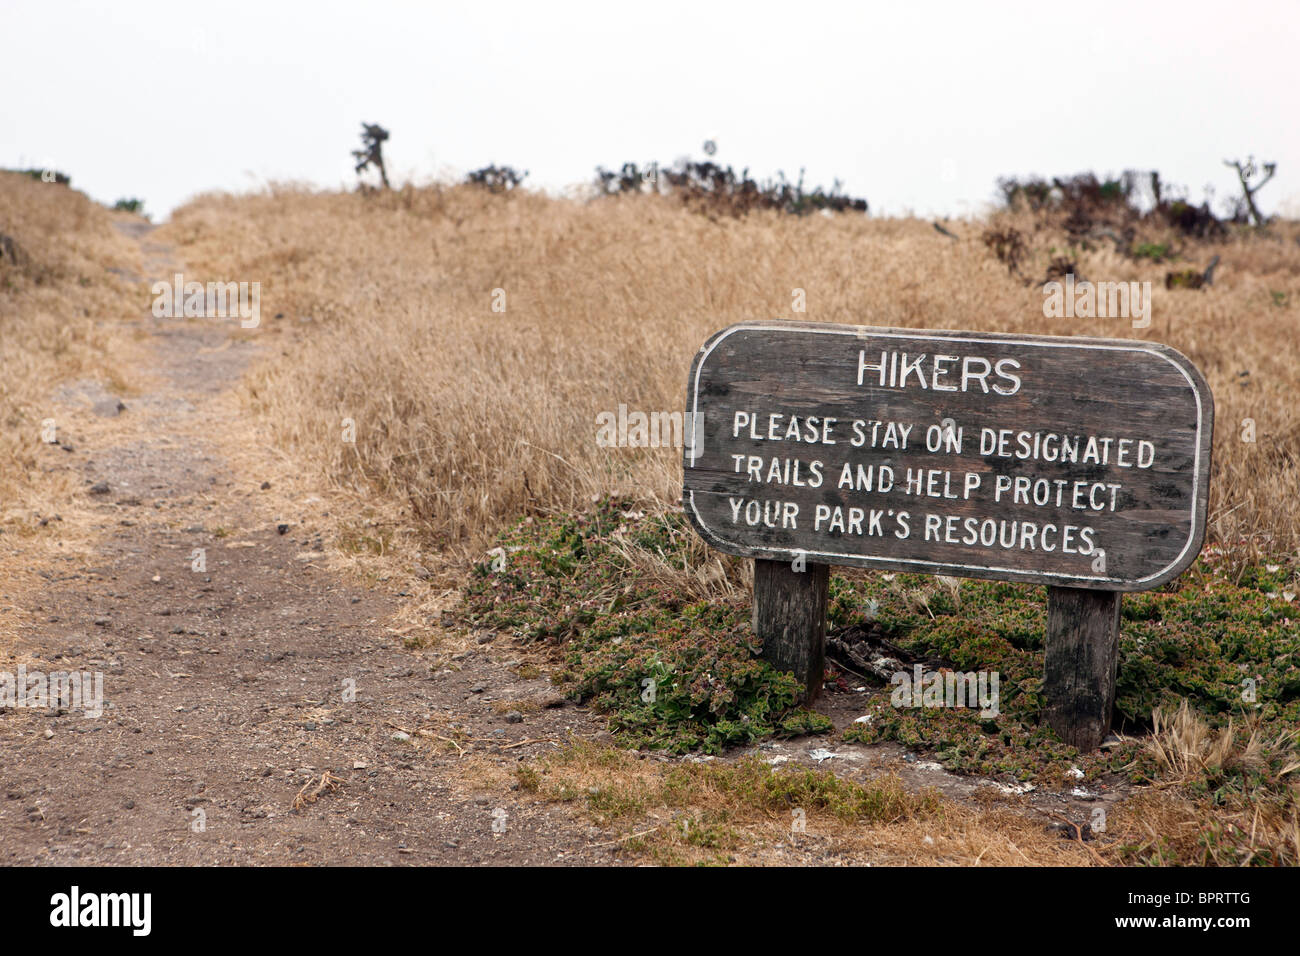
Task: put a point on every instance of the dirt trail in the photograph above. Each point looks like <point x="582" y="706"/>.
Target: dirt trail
<point x="225" y="689"/>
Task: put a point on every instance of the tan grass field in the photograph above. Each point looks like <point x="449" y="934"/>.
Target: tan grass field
<point x="472" y="417"/>
<point x="58" y="309"/>
<point x="55" y="293"/>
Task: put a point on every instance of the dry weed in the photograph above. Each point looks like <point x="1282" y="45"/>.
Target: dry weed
<point x="472" y="417"/>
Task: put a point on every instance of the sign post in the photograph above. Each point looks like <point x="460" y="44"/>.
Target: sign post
<point x="1080" y="464"/>
<point x="790" y="619"/>
<point x="1081" y="656"/>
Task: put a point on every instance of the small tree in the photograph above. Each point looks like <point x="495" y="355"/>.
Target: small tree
<point x="1246" y="174"/>
<point x="372" y="139"/>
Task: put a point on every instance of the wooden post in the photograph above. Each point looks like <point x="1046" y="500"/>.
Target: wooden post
<point x="790" y="619"/>
<point x="1081" y="658"/>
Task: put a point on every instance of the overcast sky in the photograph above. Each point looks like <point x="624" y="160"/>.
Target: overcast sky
<point x="915" y="106"/>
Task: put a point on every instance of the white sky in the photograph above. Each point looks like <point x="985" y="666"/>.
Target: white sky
<point x="916" y="106"/>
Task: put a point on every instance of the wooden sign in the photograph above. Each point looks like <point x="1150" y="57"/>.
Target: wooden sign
<point x="1073" y="462"/>
<point x="1068" y="461"/>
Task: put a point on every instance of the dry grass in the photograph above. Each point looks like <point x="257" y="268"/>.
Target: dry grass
<point x="741" y="812"/>
<point x="472" y="417"/>
<point x="1229" y="796"/>
<point x="57" y="293"/>
<point x="703" y="574"/>
<point x="54" y="300"/>
<point x="1187" y="749"/>
<point x="327" y="783"/>
<point x="58" y="309"/>
<point x="1172" y="829"/>
<point x="745" y="812"/>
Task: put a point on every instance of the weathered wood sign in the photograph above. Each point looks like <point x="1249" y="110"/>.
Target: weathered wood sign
<point x="1069" y="461"/>
<point x="1073" y="462"/>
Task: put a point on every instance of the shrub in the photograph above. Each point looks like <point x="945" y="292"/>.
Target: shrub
<point x="715" y="190"/>
<point x="497" y="179"/>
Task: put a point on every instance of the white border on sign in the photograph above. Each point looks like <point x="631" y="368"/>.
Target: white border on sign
<point x="858" y="332"/>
